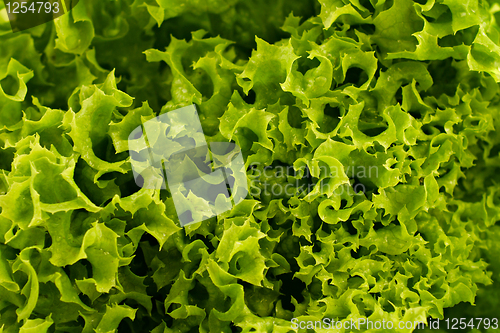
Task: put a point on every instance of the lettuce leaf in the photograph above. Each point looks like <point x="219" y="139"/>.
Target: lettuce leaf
<point x="369" y="133"/>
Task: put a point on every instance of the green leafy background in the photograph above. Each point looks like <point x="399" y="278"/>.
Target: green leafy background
<point x="410" y="87"/>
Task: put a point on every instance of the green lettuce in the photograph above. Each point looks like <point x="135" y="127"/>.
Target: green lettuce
<point x="381" y="117"/>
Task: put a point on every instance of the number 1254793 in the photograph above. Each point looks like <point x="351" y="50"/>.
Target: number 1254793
<point x="33" y="7"/>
